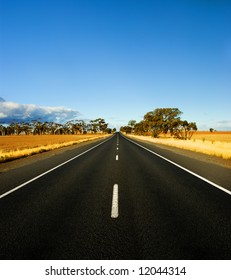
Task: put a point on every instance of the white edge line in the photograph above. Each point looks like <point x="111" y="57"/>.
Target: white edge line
<point x="115" y="200"/>
<point x="50" y="170"/>
<point x="185" y="169"/>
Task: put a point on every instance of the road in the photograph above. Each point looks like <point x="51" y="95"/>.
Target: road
<point x="113" y="199"/>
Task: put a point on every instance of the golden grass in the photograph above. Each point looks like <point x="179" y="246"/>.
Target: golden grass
<point x="215" y="144"/>
<point x="13" y="147"/>
<point x="221" y="136"/>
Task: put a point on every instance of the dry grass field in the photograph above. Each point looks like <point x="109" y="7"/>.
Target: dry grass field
<point x="210" y="143"/>
<point x="220" y="136"/>
<point x="13" y="147"/>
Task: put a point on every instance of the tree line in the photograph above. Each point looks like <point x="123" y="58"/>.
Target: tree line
<point x="37" y="127"/>
<point x="162" y="121"/>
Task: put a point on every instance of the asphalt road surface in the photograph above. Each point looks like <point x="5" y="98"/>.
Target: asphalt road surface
<point x="113" y="199"/>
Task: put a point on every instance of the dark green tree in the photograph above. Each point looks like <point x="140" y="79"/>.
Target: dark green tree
<point x="161" y="120"/>
<point x="99" y="125"/>
<point x="184" y="129"/>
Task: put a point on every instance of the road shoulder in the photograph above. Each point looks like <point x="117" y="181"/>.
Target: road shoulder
<point x="191" y="154"/>
<point x="16" y="163"/>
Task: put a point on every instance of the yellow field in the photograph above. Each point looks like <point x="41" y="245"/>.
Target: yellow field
<point x="12" y="147"/>
<point x="211" y="143"/>
<point x="221" y="136"/>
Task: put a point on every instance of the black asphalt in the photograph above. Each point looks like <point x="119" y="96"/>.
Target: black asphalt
<point x="164" y="212"/>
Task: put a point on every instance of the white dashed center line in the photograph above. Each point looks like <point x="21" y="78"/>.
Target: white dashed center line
<point x="115" y="202"/>
<point x="117" y="157"/>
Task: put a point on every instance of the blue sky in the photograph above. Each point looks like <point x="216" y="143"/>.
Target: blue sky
<point x="117" y="59"/>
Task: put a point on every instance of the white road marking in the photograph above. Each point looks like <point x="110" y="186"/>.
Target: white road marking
<point x="117" y="157"/>
<point x="115" y="202"/>
<point x="185" y="169"/>
<point x="50" y="170"/>
<point x="117" y="148"/>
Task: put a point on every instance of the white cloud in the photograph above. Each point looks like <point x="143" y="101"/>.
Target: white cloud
<point x="12" y="111"/>
<point x="2" y="115"/>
